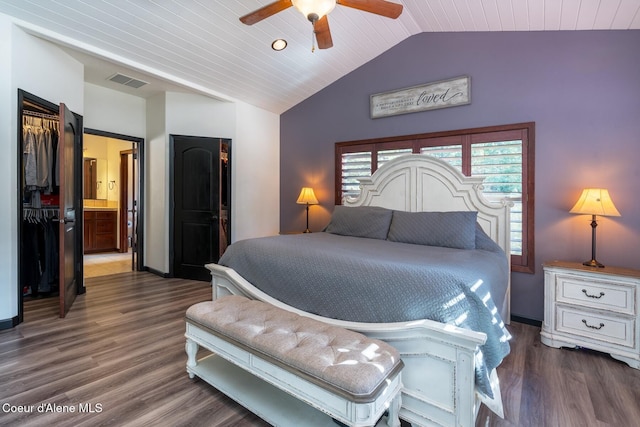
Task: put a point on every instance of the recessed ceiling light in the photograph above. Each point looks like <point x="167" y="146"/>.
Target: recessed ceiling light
<point x="279" y="44"/>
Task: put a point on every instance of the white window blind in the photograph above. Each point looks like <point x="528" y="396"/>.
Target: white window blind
<point x="452" y="154"/>
<point x="354" y="166"/>
<point x="386" y="155"/>
<point x="500" y="163"/>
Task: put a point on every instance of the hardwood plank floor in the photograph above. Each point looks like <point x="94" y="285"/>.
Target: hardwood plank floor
<point x="121" y="351"/>
<point x="544" y="386"/>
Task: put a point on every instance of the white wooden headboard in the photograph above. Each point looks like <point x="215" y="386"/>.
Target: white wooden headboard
<point x="418" y="182"/>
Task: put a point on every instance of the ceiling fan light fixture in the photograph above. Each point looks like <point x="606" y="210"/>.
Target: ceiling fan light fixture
<point x="314" y="8"/>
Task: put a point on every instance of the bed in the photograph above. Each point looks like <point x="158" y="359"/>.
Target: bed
<point x="450" y="338"/>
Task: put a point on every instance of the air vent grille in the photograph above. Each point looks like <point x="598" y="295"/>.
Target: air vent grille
<point x="127" y="81"/>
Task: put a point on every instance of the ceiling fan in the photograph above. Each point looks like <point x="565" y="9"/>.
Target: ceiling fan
<point x="316" y="12"/>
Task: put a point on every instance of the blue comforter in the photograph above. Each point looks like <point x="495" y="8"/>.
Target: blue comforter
<point x="378" y="281"/>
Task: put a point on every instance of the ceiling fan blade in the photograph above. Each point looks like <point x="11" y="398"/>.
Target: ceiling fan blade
<point x="265" y="12"/>
<point x="379" y="7"/>
<point x="323" y="35"/>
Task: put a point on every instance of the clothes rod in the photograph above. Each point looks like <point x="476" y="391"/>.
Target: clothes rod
<point x="42" y="115"/>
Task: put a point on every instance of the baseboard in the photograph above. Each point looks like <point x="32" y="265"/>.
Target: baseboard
<point x="157" y="273"/>
<point x="526" y="321"/>
<point x="9" y="323"/>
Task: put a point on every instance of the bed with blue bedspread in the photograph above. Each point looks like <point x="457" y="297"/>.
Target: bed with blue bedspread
<point x="419" y="260"/>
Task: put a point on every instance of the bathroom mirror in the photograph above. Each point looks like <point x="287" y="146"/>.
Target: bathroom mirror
<point x="95" y="178"/>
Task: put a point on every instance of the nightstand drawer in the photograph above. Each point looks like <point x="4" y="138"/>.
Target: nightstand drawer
<point x="596" y="308"/>
<point x="599" y="294"/>
<point x="609" y="329"/>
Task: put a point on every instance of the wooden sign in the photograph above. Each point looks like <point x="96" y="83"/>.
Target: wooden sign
<point x="430" y="96"/>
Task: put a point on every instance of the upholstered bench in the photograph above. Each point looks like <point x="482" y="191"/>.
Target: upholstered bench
<point x="291" y="370"/>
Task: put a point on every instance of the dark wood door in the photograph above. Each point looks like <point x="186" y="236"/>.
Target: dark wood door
<point x="196" y="205"/>
<point x="128" y="204"/>
<point x="68" y="250"/>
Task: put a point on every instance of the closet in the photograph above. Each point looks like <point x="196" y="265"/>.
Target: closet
<point x="50" y="202"/>
<point x="40" y="195"/>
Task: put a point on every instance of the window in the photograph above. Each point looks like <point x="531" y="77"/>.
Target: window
<point x="502" y="154"/>
<point x="354" y="165"/>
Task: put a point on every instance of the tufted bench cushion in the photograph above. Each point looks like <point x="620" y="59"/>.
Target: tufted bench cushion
<point x="348" y="362"/>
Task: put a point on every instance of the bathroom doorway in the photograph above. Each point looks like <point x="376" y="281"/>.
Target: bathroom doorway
<point x="113" y="203"/>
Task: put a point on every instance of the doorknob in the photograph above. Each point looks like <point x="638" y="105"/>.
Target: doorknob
<point x="69" y="216"/>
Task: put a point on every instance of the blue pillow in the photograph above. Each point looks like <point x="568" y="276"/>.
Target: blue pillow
<point x="445" y="229"/>
<point x="360" y="221"/>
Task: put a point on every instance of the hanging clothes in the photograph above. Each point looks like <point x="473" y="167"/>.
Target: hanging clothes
<point x="44" y="159"/>
<point x="30" y="263"/>
<point x="29" y="157"/>
<point x="40" y="140"/>
<point x="40" y="240"/>
<point x="40" y="243"/>
<point x="49" y="257"/>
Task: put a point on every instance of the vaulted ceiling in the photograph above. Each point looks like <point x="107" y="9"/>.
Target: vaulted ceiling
<point x="201" y="46"/>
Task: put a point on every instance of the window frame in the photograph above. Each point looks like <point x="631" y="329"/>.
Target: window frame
<point x="466" y="138"/>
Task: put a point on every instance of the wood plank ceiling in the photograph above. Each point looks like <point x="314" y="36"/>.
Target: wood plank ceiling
<point x="201" y="46"/>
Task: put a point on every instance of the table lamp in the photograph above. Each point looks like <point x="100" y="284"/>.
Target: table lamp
<point x="307" y="197"/>
<point x="594" y="201"/>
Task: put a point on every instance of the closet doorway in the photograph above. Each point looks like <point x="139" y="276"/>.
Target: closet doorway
<point x="49" y="203"/>
<point x="112" y="199"/>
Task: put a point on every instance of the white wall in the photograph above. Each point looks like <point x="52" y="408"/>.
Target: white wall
<point x="42" y="69"/>
<point x="156" y="238"/>
<point x="112" y="111"/>
<point x="255" y="173"/>
<point x="198" y="115"/>
<point x="8" y="258"/>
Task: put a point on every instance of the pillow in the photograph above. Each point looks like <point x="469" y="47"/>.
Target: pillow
<point x="445" y="229"/>
<point x="360" y="221"/>
<point x="484" y="242"/>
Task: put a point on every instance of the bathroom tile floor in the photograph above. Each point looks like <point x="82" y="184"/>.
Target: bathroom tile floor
<point x="103" y="264"/>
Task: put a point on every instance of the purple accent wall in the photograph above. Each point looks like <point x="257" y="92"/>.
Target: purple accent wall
<point x="581" y="88"/>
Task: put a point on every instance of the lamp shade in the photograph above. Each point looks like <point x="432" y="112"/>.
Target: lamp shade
<point x="595" y="201"/>
<point x="307" y="197"/>
<point x="314" y="7"/>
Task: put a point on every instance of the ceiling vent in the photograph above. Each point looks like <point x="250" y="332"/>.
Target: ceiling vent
<point x="127" y="81"/>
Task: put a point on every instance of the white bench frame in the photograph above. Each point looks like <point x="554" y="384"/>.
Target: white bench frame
<point x="278" y="395"/>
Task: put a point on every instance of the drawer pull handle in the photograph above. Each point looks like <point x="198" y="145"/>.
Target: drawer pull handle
<point x="584" y="291"/>
<point x="591" y="326"/>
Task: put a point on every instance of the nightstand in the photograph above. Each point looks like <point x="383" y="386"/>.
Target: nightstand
<point x="595" y="308"/>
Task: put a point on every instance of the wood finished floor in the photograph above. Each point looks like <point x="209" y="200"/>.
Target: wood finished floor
<point x="121" y="349"/>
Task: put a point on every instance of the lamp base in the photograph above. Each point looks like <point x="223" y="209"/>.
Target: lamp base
<point x="307" y="231"/>
<point x="593" y="263"/>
